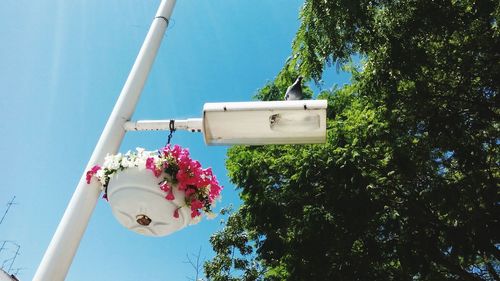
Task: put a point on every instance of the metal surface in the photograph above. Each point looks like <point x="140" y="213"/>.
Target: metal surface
<point x="259" y="123"/>
<point x="191" y="124"/>
<point x="61" y="250"/>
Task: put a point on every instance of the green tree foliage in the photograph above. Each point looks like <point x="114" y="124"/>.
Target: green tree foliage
<point x="407" y="186"/>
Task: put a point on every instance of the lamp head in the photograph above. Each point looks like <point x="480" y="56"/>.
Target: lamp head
<point x="269" y="122"/>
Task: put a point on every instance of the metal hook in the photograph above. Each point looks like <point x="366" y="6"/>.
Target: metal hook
<point x="171" y="127"/>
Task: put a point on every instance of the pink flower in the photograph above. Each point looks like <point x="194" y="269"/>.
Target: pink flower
<point x="195" y="213"/>
<point x="200" y="186"/>
<point x="184" y="161"/>
<point x="196" y="204"/>
<point x="215" y="190"/>
<point x="208" y="171"/>
<point x="150" y="165"/>
<point x="165" y="186"/>
<point x="182" y="185"/>
<point x="195" y="165"/>
<point x="170" y="195"/>
<point x="91" y="173"/>
<point x="176" y="151"/>
<point x="166" y="150"/>
<point x="189" y="192"/>
<point x="150" y="162"/>
<point x="203" y="180"/>
<point x="89" y="176"/>
<point x="181" y="175"/>
<point x="184" y="178"/>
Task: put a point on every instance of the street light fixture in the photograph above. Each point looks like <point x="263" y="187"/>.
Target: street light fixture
<point x="271" y="122"/>
<point x="254" y="123"/>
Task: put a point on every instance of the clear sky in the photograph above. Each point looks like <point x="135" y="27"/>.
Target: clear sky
<point x="62" y="66"/>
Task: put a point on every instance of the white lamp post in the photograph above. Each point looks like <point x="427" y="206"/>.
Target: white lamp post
<point x="277" y="122"/>
<point x="59" y="255"/>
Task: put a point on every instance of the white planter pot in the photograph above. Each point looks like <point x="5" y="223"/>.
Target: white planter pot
<point x="139" y="204"/>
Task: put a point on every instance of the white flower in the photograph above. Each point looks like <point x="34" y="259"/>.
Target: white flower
<point x="117" y="158"/>
<point x="195" y="220"/>
<point x="127" y="162"/>
<point x="100" y="175"/>
<point x="107" y="160"/>
<point x="140" y="163"/>
<point x="141" y="153"/>
<point x="211" y="215"/>
<point x="112" y="161"/>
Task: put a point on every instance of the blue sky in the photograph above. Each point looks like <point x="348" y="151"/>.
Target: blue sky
<point x="62" y="66"/>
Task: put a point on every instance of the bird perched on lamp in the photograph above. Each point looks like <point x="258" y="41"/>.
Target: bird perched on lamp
<point x="294" y="92"/>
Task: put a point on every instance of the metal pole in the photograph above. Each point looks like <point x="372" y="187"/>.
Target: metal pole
<point x="191" y="124"/>
<point x="61" y="250"/>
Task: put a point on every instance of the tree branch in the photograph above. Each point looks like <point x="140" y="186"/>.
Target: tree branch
<point x="195" y="265"/>
<point x="456" y="268"/>
<point x="492" y="271"/>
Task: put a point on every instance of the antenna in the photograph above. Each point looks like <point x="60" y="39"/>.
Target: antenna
<point x="5" y="262"/>
<point x="3" y="244"/>
<point x="15" y="256"/>
<point x="8" y="207"/>
<point x="12" y="259"/>
<point x="15" y="271"/>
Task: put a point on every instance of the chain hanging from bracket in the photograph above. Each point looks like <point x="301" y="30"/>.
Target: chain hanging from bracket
<point x="171" y="127"/>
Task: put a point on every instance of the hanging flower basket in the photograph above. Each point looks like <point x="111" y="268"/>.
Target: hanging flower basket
<point x="156" y="193"/>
